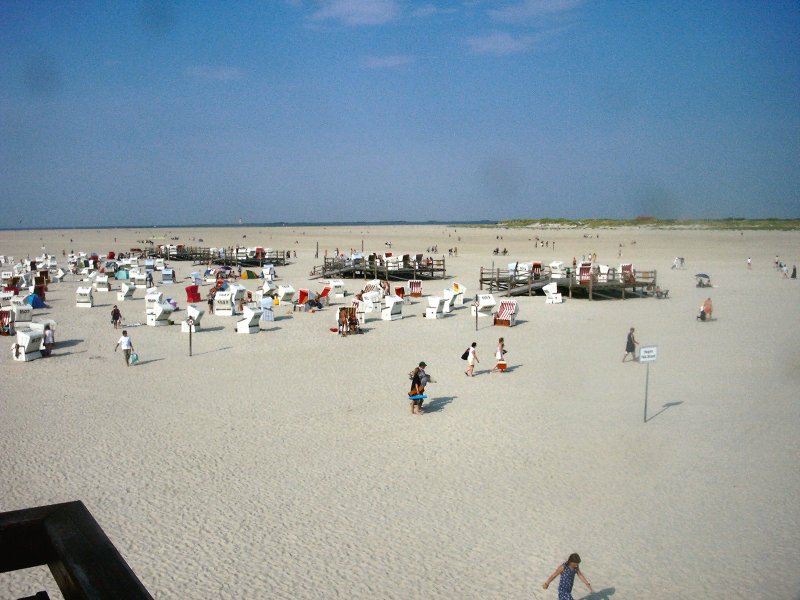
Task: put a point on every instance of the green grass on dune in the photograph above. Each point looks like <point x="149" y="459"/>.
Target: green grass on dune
<point x="730" y="223"/>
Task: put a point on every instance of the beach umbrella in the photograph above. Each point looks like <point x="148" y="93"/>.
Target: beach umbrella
<point x="702" y="276"/>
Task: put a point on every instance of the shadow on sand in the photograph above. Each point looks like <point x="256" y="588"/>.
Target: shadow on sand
<point x="146" y="362"/>
<point x="67" y="344"/>
<point x="210" y="351"/>
<point x="604" y="594"/>
<point x="663" y="408"/>
<point x="437" y="404"/>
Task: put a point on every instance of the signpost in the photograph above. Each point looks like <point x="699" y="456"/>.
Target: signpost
<point x="647" y="354"/>
<point x="190" y="323"/>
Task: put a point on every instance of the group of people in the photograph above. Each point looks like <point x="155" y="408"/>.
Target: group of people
<point x="419" y="378"/>
<point x="471" y="356"/>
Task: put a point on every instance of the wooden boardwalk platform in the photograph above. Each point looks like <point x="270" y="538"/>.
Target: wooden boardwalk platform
<point x="338" y="268"/>
<point x="221" y="256"/>
<point x="639" y="284"/>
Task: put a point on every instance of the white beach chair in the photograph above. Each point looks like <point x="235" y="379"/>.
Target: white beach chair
<point x="152" y="299"/>
<point x="458" y="292"/>
<point x="552" y="295"/>
<point x="372" y="301"/>
<point x="361" y="311"/>
<point x="223" y="304"/>
<point x="557" y="269"/>
<point x="485" y="306"/>
<point x="285" y="294"/>
<point x="267" y="313"/>
<point x="5" y="298"/>
<point x="337" y="289"/>
<point x="435" y="307"/>
<point x="167" y="276"/>
<point x="140" y="281"/>
<point x="27" y="345"/>
<point x="268" y="272"/>
<point x="160" y="315"/>
<point x="84" y="297"/>
<point x="239" y="293"/>
<point x="393" y="309"/>
<point x="23" y="313"/>
<point x="126" y="291"/>
<point x="249" y="323"/>
<point x="101" y="284"/>
<point x="194" y="313"/>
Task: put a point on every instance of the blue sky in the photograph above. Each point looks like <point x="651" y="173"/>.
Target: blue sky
<point x="115" y="113"/>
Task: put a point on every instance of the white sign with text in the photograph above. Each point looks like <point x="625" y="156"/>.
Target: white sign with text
<point x="648" y="353"/>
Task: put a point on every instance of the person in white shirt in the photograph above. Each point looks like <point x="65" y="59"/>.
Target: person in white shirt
<point x="126" y="344"/>
<point x="472" y="358"/>
<point x="49" y="341"/>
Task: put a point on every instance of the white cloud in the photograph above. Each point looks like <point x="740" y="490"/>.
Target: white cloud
<point x="387" y="62"/>
<point x="529" y="10"/>
<point x="214" y="73"/>
<point x="500" y="43"/>
<point x="429" y="10"/>
<point x="357" y="12"/>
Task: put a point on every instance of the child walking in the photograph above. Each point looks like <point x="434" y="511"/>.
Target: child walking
<point x="567" y="571"/>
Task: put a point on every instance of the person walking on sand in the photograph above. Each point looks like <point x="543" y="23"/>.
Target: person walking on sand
<point x="48" y="341"/>
<point x="472" y="358"/>
<point x="749" y="263"/>
<point x="500" y="355"/>
<point x="419" y="380"/>
<point x="116" y="317"/>
<point x="567" y="571"/>
<point x="126" y="344"/>
<point x="630" y="345"/>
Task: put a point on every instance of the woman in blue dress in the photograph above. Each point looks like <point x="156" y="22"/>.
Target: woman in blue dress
<point x="568" y="570"/>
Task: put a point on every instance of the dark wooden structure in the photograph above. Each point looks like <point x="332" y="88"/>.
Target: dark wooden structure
<point x="614" y="285"/>
<point x="513" y="283"/>
<point x="375" y="267"/>
<point x="65" y="537"/>
<point x="221" y="256"/>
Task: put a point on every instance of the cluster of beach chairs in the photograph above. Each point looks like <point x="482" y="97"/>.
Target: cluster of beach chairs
<point x="254" y="309"/>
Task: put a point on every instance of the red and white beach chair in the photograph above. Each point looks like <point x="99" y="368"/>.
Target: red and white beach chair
<point x="506" y="315"/>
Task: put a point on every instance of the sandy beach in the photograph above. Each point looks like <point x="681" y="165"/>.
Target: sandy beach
<point x="286" y="464"/>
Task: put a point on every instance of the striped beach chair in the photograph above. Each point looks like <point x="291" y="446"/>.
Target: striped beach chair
<point x="415" y="288"/>
<point x="506" y="315"/>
